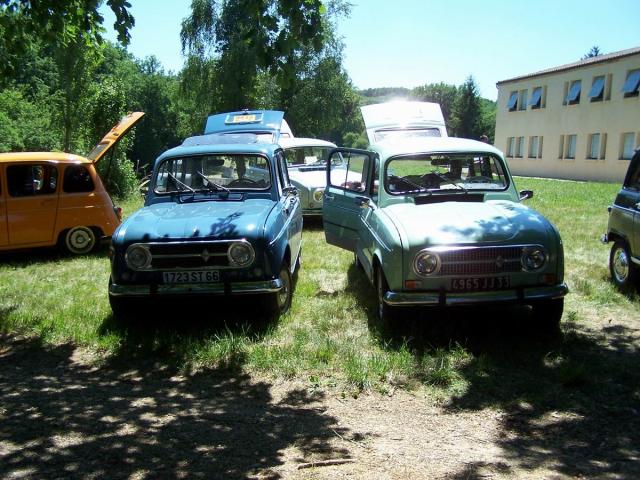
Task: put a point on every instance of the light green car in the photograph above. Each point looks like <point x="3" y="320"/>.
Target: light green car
<point x="437" y="221"/>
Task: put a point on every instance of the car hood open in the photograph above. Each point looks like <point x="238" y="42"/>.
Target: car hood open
<point x="467" y="223"/>
<point x="113" y="136"/>
<point x="221" y="219"/>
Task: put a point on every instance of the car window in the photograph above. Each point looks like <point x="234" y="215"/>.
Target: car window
<point x="400" y="134"/>
<point x="31" y="180"/>
<point x="206" y="172"/>
<point x="452" y="172"/>
<point x="77" y="179"/>
<point x="299" y="156"/>
<point x="284" y="173"/>
<point x="349" y="171"/>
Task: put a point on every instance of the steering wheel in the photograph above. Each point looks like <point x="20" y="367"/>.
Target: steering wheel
<point x="479" y="179"/>
<point x="241" y="182"/>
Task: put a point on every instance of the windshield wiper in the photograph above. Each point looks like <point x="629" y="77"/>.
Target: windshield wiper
<point x="212" y="186"/>
<point x="180" y="184"/>
<point x="447" y="180"/>
<point x="421" y="188"/>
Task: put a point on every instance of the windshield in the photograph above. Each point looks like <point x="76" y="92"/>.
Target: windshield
<point x="394" y="134"/>
<point x="300" y="156"/>
<point x="213" y="173"/>
<point x="457" y="171"/>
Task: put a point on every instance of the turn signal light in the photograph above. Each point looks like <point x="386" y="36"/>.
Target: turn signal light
<point x="548" y="279"/>
<point x="412" y="284"/>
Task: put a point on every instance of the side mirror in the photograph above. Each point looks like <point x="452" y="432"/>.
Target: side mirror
<point x="525" y="194"/>
<point x="290" y="191"/>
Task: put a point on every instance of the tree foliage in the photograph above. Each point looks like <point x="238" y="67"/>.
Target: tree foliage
<point x="593" y="52"/>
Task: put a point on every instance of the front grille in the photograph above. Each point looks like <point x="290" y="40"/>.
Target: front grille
<point x="189" y="255"/>
<point x="481" y="260"/>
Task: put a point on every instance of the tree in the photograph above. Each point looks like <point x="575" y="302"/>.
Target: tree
<point x="56" y="23"/>
<point x="466" y="111"/>
<point x="593" y="52"/>
<point x="246" y="37"/>
<point x="440" y="93"/>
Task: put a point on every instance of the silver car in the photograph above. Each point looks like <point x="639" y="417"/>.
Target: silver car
<point x="306" y="162"/>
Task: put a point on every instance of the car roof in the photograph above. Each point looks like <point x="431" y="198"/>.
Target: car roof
<point x="59" y="157"/>
<point x="221" y="148"/>
<point x="304" y="142"/>
<point x="405" y="146"/>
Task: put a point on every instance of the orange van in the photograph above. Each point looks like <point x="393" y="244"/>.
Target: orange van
<point x="49" y="198"/>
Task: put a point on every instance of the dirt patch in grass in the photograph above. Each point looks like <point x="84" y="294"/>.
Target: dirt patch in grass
<point x="544" y="408"/>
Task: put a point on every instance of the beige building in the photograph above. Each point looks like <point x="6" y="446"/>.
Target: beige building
<point x="578" y="121"/>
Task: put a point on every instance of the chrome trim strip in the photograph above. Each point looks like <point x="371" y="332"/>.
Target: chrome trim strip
<point x="635" y="260"/>
<point x="269" y="286"/>
<point x="474" y="298"/>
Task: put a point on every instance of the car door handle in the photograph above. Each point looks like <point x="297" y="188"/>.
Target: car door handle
<point x="362" y="201"/>
<point x="328" y="197"/>
<point x="46" y="202"/>
<point x="638" y="206"/>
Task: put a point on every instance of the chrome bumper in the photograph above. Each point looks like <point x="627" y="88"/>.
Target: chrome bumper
<point x="473" y="298"/>
<point x="237" y="288"/>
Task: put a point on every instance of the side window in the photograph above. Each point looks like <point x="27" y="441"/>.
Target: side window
<point x="284" y="172"/>
<point x="634" y="177"/>
<point x="31" y="180"/>
<point x="349" y="171"/>
<point x="77" y="179"/>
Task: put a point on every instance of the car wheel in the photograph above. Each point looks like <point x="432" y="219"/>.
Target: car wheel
<point x="281" y="301"/>
<point x="623" y="271"/>
<point x="123" y="307"/>
<point x="79" y="240"/>
<point x="386" y="313"/>
<point x="547" y="314"/>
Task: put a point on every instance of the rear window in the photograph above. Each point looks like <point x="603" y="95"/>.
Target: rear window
<point x="77" y="179"/>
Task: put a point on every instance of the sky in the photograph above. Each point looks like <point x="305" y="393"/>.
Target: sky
<point x="407" y="43"/>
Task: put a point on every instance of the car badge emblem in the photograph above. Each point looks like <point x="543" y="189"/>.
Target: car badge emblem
<point x="499" y="262"/>
<point x="205" y="255"/>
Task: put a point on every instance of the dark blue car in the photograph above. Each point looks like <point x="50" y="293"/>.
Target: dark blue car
<point x="220" y="218"/>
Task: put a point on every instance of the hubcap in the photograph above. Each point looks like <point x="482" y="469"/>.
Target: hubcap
<point x="620" y="265"/>
<point x="79" y="239"/>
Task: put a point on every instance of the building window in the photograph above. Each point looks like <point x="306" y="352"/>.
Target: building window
<point x="533" y="147"/>
<point x="630" y="87"/>
<point x="573" y="92"/>
<point x="593" y="146"/>
<point x="510" y="141"/>
<point x="561" y="145"/>
<point x="603" y="146"/>
<point x="522" y="100"/>
<point x="536" y="98"/>
<point x="570" y="151"/>
<point x="513" y="101"/>
<point x="627" y="142"/>
<point x="596" y="94"/>
<point x="520" y="147"/>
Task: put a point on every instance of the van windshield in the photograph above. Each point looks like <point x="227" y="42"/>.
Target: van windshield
<point x="213" y="172"/>
<point x="451" y="171"/>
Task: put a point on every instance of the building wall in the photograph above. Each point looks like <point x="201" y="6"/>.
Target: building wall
<point x="554" y="122"/>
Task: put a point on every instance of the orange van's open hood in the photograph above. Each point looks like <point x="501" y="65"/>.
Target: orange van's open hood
<point x="114" y="136"/>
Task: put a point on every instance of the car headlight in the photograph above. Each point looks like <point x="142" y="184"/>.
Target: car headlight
<point x="138" y="257"/>
<point x="241" y="254"/>
<point x="426" y="263"/>
<point x="318" y="194"/>
<point x="533" y="258"/>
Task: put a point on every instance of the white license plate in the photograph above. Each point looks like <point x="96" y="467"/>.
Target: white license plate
<point x="477" y="284"/>
<point x="194" y="276"/>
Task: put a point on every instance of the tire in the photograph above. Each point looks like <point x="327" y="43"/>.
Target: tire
<point x="386" y="313"/>
<point x="279" y="303"/>
<point x="79" y="240"/>
<point x="624" y="273"/>
<point x="546" y="314"/>
<point x="124" y="307"/>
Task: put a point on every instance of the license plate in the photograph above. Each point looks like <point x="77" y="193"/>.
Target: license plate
<point x="196" y="276"/>
<point x="480" y="283"/>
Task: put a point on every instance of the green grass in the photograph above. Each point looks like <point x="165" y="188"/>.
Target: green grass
<point x="331" y="336"/>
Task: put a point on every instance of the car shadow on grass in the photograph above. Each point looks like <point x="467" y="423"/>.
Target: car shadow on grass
<point x="61" y="417"/>
<point x="568" y="401"/>
<point x="183" y="330"/>
<point x="43" y="255"/>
